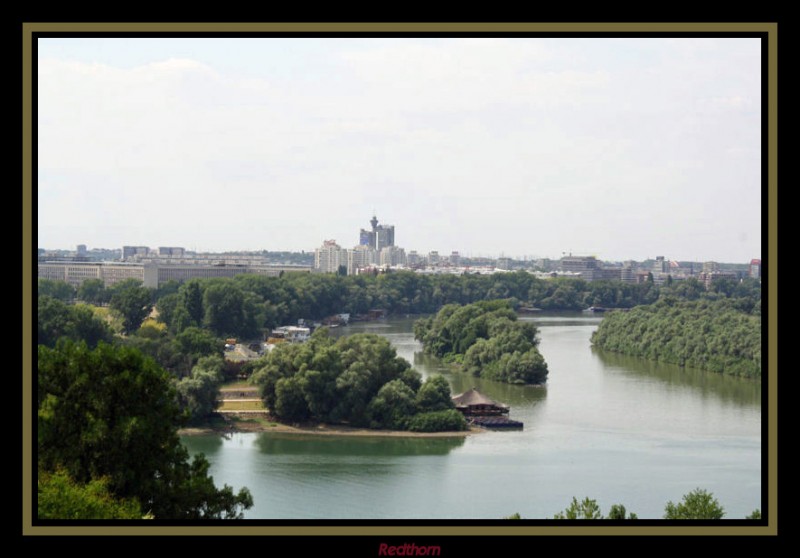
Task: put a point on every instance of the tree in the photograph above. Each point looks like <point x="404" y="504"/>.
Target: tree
<point x="587" y="509"/>
<point x="133" y="302"/>
<point x="618" y="511"/>
<point x="60" y="497"/>
<point x="166" y="306"/>
<point x="196" y="342"/>
<point x="112" y="413"/>
<point x="193" y="302"/>
<point x="697" y="504"/>
<point x="392" y="406"/>
<point x="93" y="291"/>
<point x="434" y="395"/>
<point x="224" y="309"/>
<point x="290" y="404"/>
<point x="56" y="320"/>
<point x="755" y="515"/>
<point x="198" y="393"/>
<point x="56" y="289"/>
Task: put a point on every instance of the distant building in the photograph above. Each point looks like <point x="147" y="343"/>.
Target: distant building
<point x="128" y="252"/>
<point x="81" y="250"/>
<point x="433" y="258"/>
<point x="361" y="256"/>
<point x="151" y="274"/>
<point x="171" y="251"/>
<point x="586" y="266"/>
<point x="709" y="277"/>
<point x="379" y="237"/>
<point x="393" y="255"/>
<point x="413" y="259"/>
<point x="710" y="267"/>
<point x="329" y="257"/>
<point x="455" y="259"/>
<point x="661" y="265"/>
<point x="504" y="263"/>
<point x="755" y="269"/>
<point x="75" y="273"/>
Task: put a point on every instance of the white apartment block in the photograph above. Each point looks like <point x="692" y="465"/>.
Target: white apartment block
<point x="329" y="257"/>
<point x="360" y="256"/>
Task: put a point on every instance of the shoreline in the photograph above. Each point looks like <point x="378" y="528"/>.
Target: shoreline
<point x="320" y="430"/>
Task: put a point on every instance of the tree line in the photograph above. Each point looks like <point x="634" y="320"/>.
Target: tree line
<point x="486" y="339"/>
<point x="245" y="305"/>
<point x="357" y="380"/>
<point x="699" y="504"/>
<point x="715" y="335"/>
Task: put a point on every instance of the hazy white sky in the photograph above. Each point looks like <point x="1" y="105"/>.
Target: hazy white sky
<point x="622" y="148"/>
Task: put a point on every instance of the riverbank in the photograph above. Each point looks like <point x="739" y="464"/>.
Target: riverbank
<point x="263" y="425"/>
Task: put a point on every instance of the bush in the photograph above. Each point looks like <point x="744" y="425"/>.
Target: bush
<point x="438" y="421"/>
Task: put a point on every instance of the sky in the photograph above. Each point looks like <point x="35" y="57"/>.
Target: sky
<point x="622" y="148"/>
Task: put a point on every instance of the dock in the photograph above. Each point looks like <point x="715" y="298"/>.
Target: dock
<point x="496" y="422"/>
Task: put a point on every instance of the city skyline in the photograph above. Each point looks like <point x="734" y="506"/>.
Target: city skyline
<point x="620" y="148"/>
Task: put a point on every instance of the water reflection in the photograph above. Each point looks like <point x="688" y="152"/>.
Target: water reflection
<point x="730" y="389"/>
<point x="208" y="444"/>
<point x="292" y="444"/>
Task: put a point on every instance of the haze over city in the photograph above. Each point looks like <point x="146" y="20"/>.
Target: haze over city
<point x="621" y="148"/>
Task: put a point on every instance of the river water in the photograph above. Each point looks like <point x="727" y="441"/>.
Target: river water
<point x="616" y="429"/>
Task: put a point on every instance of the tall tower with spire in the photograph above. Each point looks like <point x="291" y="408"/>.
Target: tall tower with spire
<point x="379" y="237"/>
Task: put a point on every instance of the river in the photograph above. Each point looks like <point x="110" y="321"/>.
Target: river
<point x="616" y="429"/>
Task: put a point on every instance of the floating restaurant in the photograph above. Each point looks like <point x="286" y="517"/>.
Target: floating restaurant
<point x="483" y="411"/>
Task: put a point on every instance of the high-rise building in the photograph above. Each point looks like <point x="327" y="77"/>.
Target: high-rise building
<point x="379" y="237"/>
<point x="393" y="255"/>
<point x="358" y="257"/>
<point x="81" y="250"/>
<point x="329" y="257"/>
<point x="755" y="269"/>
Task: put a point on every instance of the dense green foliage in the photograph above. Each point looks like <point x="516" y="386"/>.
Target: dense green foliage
<point x="55" y="320"/>
<point x="245" y="305"/>
<point x="357" y="380"/>
<point x="698" y="504"/>
<point x="55" y="289"/>
<point x="437" y="421"/>
<point x="110" y="413"/>
<point x="487" y="339"/>
<point x="93" y="291"/>
<point x="712" y="335"/>
<point x="198" y="393"/>
<point x="60" y="497"/>
<point x="132" y="301"/>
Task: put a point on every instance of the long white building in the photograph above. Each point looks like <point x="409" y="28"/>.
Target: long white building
<point x="151" y="274"/>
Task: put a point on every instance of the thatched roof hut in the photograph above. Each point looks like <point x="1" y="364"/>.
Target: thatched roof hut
<point x="473" y="402"/>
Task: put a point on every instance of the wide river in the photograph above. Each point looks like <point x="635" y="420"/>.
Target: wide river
<point x="613" y="428"/>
